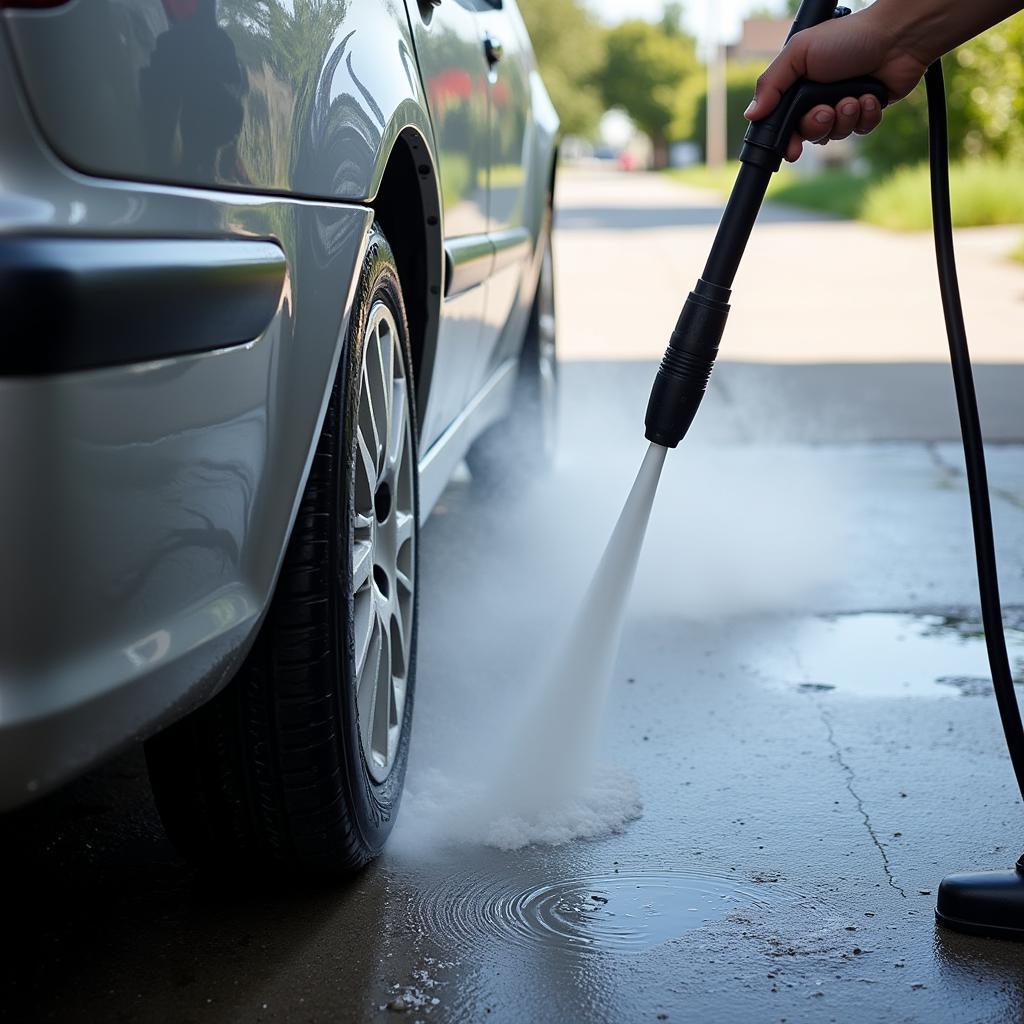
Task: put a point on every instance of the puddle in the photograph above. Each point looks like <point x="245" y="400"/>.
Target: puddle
<point x="886" y="655"/>
<point x="622" y="914"/>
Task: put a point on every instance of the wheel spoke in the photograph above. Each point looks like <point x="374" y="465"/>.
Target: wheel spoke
<point x="405" y="525"/>
<point x="399" y="644"/>
<point x="386" y="348"/>
<point x="366" y="693"/>
<point x="362" y="564"/>
<point x="366" y="472"/>
<point x="384" y="696"/>
<point x="368" y="424"/>
<point x="378" y="381"/>
<point x="399" y="425"/>
<point x="363" y="626"/>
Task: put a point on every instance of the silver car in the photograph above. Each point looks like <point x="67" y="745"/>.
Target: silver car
<point x="269" y="271"/>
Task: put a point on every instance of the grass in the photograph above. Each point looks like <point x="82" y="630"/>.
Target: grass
<point x="984" y="193"/>
<point x="842" y="193"/>
<point x="1018" y="253"/>
<point x="715" y="179"/>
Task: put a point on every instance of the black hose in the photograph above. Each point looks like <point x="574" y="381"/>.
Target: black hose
<point x="970" y="424"/>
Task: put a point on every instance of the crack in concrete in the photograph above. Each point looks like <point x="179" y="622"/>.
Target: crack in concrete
<point x="850" y="779"/>
<point x="952" y="472"/>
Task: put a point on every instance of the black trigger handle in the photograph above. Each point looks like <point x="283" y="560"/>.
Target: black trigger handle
<point x="765" y="142"/>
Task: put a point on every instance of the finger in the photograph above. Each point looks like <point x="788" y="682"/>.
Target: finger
<point x="870" y="115"/>
<point x="795" y="148"/>
<point x="817" y="123"/>
<point x="787" y="67"/>
<point x="847" y="118"/>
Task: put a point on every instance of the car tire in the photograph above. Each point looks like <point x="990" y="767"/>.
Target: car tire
<point x="299" y="763"/>
<point x="522" y="446"/>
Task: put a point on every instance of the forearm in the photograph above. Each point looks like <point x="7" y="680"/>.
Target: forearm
<point x="929" y="28"/>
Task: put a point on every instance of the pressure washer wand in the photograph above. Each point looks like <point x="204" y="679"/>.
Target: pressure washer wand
<point x="690" y="357"/>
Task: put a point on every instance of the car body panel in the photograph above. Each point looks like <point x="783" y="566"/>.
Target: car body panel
<point x="304" y="99"/>
<point x="450" y="50"/>
<point x="154" y="500"/>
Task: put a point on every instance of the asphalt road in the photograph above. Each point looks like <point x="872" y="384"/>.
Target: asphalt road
<point x="799" y="697"/>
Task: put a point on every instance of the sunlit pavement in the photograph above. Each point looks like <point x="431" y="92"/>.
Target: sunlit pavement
<point x="799" y="697"/>
<point x="810" y="288"/>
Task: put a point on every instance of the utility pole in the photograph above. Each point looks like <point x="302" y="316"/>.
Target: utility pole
<point x="716" y="145"/>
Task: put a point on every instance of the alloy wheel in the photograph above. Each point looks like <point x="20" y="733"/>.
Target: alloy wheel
<point x="384" y="538"/>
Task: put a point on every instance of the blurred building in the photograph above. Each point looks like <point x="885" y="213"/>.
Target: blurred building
<point x="761" y="40"/>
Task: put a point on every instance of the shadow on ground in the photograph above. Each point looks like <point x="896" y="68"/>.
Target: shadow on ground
<point x="103" y="922"/>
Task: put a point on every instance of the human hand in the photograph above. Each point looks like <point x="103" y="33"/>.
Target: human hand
<point x="858" y="45"/>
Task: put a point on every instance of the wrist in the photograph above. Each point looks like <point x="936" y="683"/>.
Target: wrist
<point x="913" y="28"/>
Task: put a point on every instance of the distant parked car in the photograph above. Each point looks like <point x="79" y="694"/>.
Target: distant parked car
<point x="269" y="271"/>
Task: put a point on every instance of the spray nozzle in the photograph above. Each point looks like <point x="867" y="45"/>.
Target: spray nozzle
<point x="686" y="369"/>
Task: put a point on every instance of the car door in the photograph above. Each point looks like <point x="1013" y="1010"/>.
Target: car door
<point x="510" y="60"/>
<point x="450" y="49"/>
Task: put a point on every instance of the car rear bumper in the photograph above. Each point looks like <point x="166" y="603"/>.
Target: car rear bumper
<point x="130" y="513"/>
<point x="157" y="419"/>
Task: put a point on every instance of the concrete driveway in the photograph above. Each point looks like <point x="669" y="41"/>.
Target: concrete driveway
<point x="810" y="289"/>
<point x="800" y="699"/>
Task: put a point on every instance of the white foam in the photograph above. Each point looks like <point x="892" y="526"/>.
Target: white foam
<point x="440" y="811"/>
<point x="603" y="806"/>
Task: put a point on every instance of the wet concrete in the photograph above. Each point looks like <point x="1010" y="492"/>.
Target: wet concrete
<point x="795" y="826"/>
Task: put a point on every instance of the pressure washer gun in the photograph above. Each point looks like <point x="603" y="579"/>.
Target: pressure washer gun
<point x="686" y="369"/>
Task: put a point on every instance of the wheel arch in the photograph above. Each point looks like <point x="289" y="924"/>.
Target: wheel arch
<point x="407" y="206"/>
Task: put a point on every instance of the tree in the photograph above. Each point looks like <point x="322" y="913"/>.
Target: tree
<point x="672" y="18"/>
<point x="646" y="74"/>
<point x="569" y="48"/>
<point x="987" y="83"/>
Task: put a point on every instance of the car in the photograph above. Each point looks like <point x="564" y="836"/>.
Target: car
<point x="270" y="272"/>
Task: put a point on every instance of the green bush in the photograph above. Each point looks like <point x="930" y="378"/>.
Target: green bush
<point x="840" y="192"/>
<point x="983" y="192"/>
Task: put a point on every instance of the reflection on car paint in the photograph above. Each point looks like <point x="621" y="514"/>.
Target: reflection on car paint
<point x="304" y="96"/>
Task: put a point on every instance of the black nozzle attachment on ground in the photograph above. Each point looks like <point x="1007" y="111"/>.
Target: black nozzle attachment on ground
<point x="686" y="369"/>
<point x="987" y="903"/>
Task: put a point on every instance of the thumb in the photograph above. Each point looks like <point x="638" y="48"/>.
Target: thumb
<point x="788" y="66"/>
